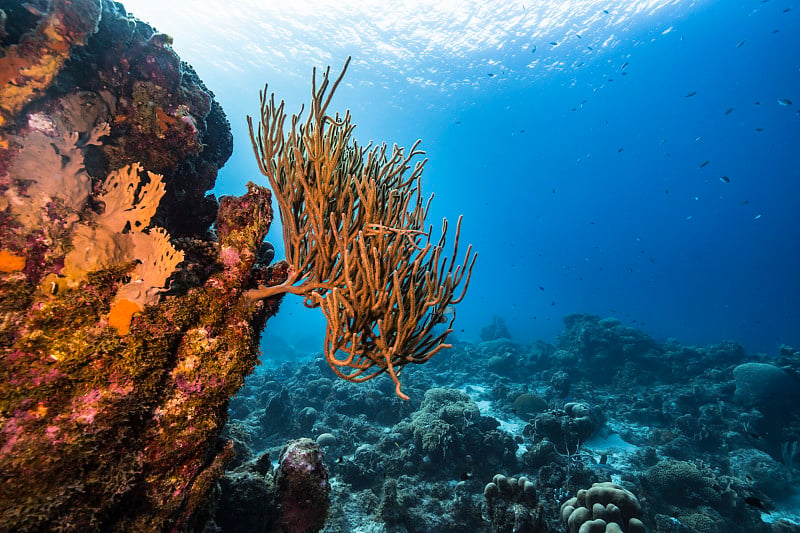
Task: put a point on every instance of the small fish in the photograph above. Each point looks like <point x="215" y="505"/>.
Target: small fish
<point x="533" y="50"/>
<point x="465" y="476"/>
<point x="578" y="35"/>
<point x="625" y="64"/>
<point x="689" y="95"/>
<point x="785" y="102"/>
<point x="605" y="11"/>
<point x="541" y="288"/>
<point x="729" y="111"/>
<point x="620" y="149"/>
<point x="759" y="129"/>
<point x="553" y="43"/>
<point x="724" y="179"/>
<point x="704" y="163"/>
<point x="757" y="216"/>
<point x="491" y="74"/>
<point x="740" y="43"/>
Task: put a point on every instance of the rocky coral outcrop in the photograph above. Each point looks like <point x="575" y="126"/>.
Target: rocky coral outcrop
<point x="257" y="498"/>
<point x="110" y="417"/>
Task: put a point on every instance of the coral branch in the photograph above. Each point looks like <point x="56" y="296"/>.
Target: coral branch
<point x="354" y="230"/>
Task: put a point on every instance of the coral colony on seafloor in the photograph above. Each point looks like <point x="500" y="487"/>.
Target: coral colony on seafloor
<point x="127" y="322"/>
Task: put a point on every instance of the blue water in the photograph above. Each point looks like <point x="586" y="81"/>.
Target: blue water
<point x="578" y="166"/>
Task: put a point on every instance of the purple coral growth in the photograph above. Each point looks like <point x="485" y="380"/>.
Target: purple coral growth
<point x="303" y="487"/>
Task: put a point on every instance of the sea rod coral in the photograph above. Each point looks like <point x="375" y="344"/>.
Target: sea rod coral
<point x="356" y="246"/>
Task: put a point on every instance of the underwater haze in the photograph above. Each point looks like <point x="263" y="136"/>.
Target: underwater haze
<point x="636" y="159"/>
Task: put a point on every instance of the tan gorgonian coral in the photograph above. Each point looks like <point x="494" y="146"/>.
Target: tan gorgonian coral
<point x="116" y="236"/>
<point x="354" y="230"/>
<point x="53" y="170"/>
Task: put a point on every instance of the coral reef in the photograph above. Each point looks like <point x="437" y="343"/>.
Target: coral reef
<point x="496" y="329"/>
<point x="683" y="442"/>
<point x="600" y="347"/>
<point x="565" y="428"/>
<point x="116" y="381"/>
<point x="450" y="434"/>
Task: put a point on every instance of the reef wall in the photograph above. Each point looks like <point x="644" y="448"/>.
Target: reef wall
<point x="124" y="329"/>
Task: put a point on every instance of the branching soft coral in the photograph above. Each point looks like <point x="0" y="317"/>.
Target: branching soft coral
<point x="354" y="230"/>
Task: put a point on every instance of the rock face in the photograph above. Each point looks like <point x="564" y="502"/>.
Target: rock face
<point x="110" y="413"/>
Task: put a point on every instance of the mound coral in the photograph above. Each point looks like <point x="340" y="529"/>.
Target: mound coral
<point x="605" y="507"/>
<point x="450" y="436"/>
<point x="512" y="505"/>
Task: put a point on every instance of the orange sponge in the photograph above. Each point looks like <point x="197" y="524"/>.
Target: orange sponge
<point x="121" y="314"/>
<point x="11" y="262"/>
